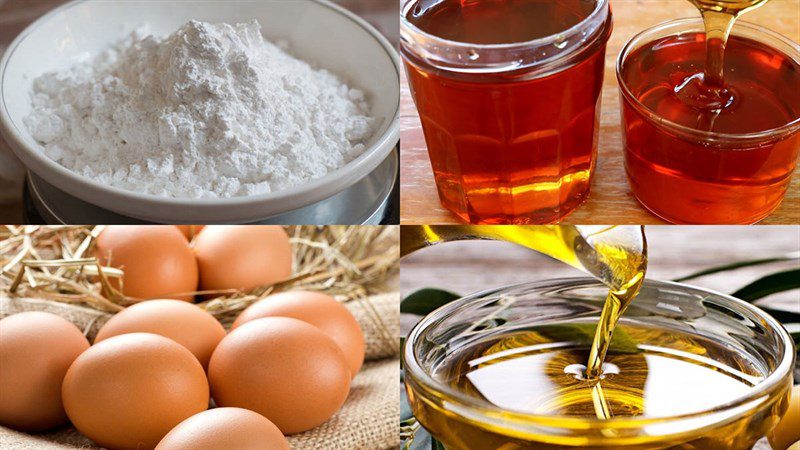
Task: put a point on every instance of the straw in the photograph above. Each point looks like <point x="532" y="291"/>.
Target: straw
<point x="57" y="263"/>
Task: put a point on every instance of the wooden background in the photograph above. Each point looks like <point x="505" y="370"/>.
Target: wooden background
<point x="610" y="200"/>
<point x="15" y="15"/>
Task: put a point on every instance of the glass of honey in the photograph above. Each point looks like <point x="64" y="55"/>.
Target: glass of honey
<point x="687" y="369"/>
<point x="508" y="93"/>
<point x="691" y="163"/>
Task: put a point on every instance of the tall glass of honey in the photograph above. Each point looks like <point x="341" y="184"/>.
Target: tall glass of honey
<point x="508" y="92"/>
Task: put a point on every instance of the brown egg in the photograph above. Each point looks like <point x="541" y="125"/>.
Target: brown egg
<point x="129" y="391"/>
<point x="156" y="259"/>
<point x="242" y="256"/>
<point x="788" y="429"/>
<point x="36" y="349"/>
<point x="225" y="428"/>
<point x="284" y="369"/>
<point x="190" y="231"/>
<point x="319" y="310"/>
<point x="184" y="323"/>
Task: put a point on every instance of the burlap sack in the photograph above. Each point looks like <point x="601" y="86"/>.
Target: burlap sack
<point x="368" y="420"/>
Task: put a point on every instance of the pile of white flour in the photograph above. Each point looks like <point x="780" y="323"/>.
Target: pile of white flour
<point x="213" y="110"/>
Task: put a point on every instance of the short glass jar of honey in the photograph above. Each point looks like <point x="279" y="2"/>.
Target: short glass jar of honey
<point x="508" y="93"/>
<point x="689" y="163"/>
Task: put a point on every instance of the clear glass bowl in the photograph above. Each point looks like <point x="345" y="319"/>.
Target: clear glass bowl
<point x="461" y="421"/>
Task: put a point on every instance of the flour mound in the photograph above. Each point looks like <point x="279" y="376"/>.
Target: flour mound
<point x="213" y="110"/>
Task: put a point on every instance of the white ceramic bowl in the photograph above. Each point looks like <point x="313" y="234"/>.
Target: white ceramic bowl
<point x="317" y="31"/>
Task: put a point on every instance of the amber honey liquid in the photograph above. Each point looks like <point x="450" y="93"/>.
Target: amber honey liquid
<point x="508" y="147"/>
<point x="712" y="82"/>
<point x="691" y="181"/>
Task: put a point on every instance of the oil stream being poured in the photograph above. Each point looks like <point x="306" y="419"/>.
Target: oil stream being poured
<point x="615" y="255"/>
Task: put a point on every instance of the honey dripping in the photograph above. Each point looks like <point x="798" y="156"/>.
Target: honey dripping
<point x="615" y="255"/>
<point x="708" y="90"/>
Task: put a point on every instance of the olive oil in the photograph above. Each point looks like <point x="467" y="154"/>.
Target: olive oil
<point x="615" y="255"/>
<point x="648" y="373"/>
<point x="534" y="372"/>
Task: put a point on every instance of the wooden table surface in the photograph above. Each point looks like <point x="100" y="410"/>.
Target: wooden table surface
<point x="611" y="200"/>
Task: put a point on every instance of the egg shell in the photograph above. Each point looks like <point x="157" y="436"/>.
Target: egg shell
<point x="156" y="259"/>
<point x="184" y="323"/>
<point x="190" y="231"/>
<point x="225" y="428"/>
<point x="129" y="391"/>
<point x="36" y="349"/>
<point x="318" y="309"/>
<point x="242" y="256"/>
<point x="284" y="369"/>
<point x="788" y="430"/>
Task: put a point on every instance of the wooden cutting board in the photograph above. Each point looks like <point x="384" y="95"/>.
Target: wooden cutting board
<point x="611" y="201"/>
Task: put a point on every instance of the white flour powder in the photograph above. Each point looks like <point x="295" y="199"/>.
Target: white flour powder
<point x="209" y="111"/>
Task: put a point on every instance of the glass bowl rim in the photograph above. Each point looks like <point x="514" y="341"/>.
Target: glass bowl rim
<point x="477" y="408"/>
<point x="646" y="36"/>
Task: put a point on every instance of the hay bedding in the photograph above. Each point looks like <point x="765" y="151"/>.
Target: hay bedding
<point x="51" y="269"/>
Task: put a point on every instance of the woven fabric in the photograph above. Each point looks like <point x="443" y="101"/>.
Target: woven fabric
<point x="368" y="420"/>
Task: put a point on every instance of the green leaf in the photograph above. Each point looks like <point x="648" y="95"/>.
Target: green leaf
<point x="422" y="440"/>
<point x="794" y="331"/>
<point x="770" y="284"/>
<point x="781" y="315"/>
<point x="405" y="408"/>
<point x="738" y="265"/>
<point x="425" y="301"/>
